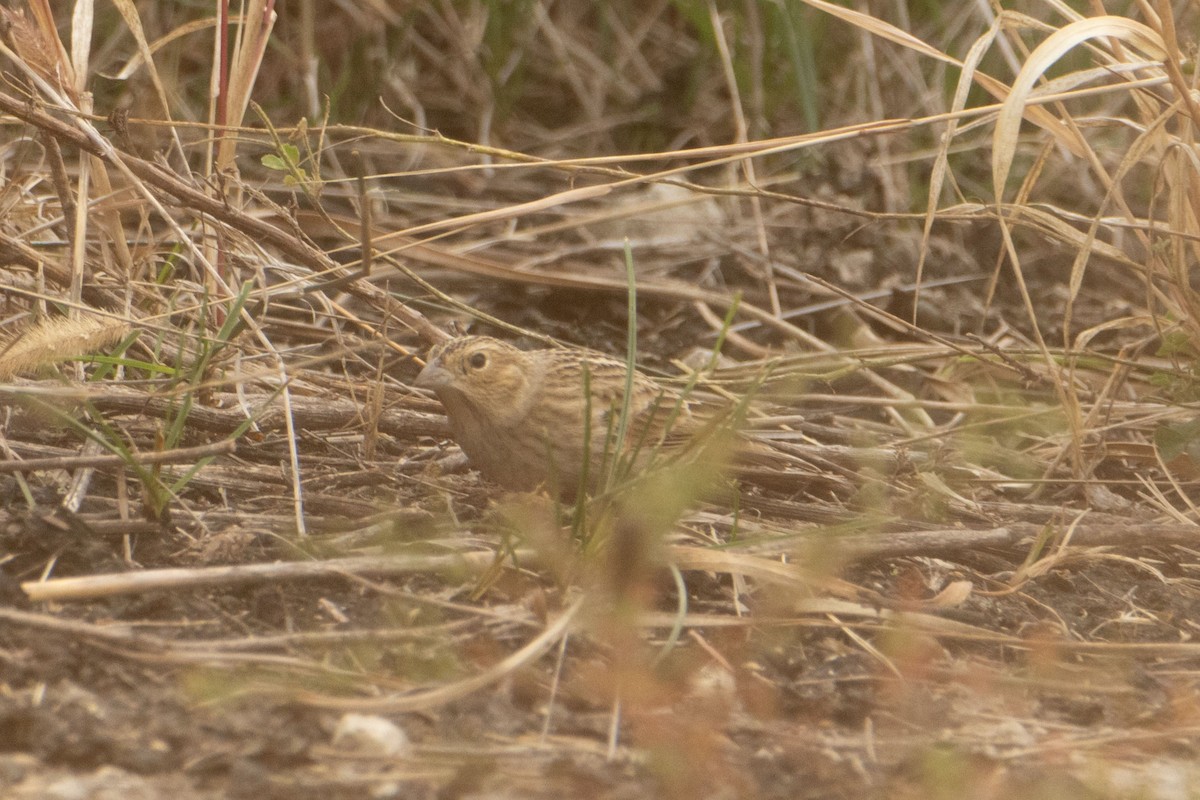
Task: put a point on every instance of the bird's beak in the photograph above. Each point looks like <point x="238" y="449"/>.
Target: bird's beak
<point x="434" y="376"/>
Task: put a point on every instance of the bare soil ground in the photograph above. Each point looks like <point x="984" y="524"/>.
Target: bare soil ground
<point x="933" y="623"/>
<point x="240" y="557"/>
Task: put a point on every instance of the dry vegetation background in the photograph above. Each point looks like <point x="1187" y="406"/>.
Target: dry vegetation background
<point x="946" y="249"/>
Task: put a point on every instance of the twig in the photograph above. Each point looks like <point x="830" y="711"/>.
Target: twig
<point x="182" y="455"/>
<point x="93" y="586"/>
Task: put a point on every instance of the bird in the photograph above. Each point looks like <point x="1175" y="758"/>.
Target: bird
<point x="550" y="418"/>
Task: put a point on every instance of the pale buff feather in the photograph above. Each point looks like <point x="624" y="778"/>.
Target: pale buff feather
<point x="520" y="415"/>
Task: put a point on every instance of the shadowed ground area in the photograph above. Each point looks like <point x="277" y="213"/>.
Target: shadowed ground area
<point x="933" y="268"/>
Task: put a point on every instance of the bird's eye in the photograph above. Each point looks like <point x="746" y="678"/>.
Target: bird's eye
<point x="478" y="361"/>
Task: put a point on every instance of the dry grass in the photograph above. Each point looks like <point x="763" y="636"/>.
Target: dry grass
<point x="946" y="255"/>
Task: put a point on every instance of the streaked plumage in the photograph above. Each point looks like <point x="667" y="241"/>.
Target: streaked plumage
<point x="520" y="415"/>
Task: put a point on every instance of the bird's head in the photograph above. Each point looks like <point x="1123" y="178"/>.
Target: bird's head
<point x="490" y="377"/>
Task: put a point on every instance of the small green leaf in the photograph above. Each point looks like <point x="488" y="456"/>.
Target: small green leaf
<point x="1172" y="440"/>
<point x="286" y="159"/>
<point x="1175" y="343"/>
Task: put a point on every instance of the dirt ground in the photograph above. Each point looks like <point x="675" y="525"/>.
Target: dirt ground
<point x="241" y="557"/>
<point x="978" y="636"/>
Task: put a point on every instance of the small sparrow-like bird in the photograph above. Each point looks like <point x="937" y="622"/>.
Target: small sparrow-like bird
<point x="529" y="418"/>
